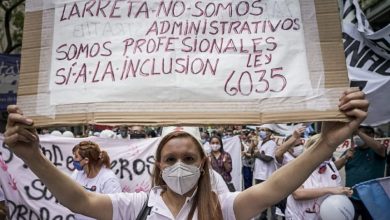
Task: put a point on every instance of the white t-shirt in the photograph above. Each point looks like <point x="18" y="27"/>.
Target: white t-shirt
<point x="105" y="182"/>
<point x="300" y="210"/>
<point x="287" y="157"/>
<point x="218" y="185"/>
<point x="262" y="169"/>
<point x="128" y="205"/>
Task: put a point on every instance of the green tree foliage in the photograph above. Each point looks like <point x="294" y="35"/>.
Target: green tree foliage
<point x="11" y="25"/>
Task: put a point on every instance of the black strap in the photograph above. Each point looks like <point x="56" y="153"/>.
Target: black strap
<point x="145" y="210"/>
<point x="331" y="167"/>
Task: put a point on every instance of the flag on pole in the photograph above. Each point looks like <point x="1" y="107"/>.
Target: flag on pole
<point x="375" y="194"/>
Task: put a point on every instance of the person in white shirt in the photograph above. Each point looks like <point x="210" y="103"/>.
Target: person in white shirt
<point x="290" y="149"/>
<point x="92" y="170"/>
<point x="304" y="203"/>
<point x="182" y="187"/>
<point x="264" y="163"/>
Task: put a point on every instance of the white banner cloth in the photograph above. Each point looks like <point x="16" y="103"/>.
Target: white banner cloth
<point x="131" y="160"/>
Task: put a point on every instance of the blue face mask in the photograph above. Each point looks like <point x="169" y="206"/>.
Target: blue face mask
<point x="77" y="165"/>
<point x="263" y="134"/>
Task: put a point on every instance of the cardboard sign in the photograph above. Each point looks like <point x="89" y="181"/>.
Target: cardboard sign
<point x="187" y="62"/>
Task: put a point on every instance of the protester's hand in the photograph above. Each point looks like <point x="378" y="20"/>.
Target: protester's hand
<point x="20" y="135"/>
<point x="298" y="132"/>
<point x="349" y="153"/>
<point x="354" y="105"/>
<point x="224" y="158"/>
<point x="340" y="190"/>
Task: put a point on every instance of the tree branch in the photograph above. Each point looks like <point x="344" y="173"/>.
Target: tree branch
<point x="7" y="26"/>
<point x="2" y="5"/>
<point x="16" y="5"/>
<point x="14" y="47"/>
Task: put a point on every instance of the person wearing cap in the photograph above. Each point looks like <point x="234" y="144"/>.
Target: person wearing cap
<point x="217" y="181"/>
<point x="56" y="133"/>
<point x="264" y="162"/>
<point x="68" y="134"/>
<point x="290" y="149"/>
<point x="181" y="180"/>
<point x="304" y="203"/>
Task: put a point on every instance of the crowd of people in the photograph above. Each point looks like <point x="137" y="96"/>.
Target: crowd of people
<point x="185" y="178"/>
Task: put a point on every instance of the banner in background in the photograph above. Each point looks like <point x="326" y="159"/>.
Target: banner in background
<point x="9" y="76"/>
<point x="368" y="60"/>
<point x="132" y="161"/>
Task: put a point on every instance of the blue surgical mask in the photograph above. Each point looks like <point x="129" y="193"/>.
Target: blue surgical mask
<point x="77" y="165"/>
<point x="263" y="134"/>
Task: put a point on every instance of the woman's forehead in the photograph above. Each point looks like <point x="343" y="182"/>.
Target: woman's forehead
<point x="214" y="139"/>
<point x="179" y="145"/>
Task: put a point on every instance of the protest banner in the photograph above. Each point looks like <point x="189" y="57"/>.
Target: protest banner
<point x="181" y="62"/>
<point x="131" y="160"/>
<point x="368" y="59"/>
<point x="9" y="75"/>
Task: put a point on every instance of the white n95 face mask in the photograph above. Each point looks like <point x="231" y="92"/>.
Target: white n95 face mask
<point x="181" y="177"/>
<point x="298" y="150"/>
<point x="215" y="147"/>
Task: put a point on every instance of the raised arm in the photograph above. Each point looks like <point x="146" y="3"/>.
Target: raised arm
<point x="283" y="148"/>
<point x="22" y="138"/>
<point x="372" y="143"/>
<point x="348" y="154"/>
<point x="255" y="199"/>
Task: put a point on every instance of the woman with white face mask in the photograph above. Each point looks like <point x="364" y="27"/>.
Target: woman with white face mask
<point x="181" y="180"/>
<point x="290" y="149"/>
<point x="221" y="161"/>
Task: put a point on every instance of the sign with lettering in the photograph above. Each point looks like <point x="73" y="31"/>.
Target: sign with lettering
<point x="367" y="52"/>
<point x="132" y="162"/>
<point x="9" y="76"/>
<point x="182" y="62"/>
<point x="232" y="50"/>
